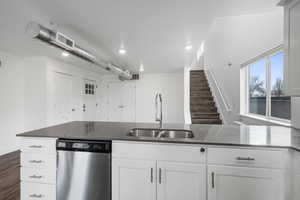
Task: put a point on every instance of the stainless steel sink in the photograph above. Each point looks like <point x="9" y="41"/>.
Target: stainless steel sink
<point x="157" y="133"/>
<point x="180" y="134"/>
<point x="143" y="133"/>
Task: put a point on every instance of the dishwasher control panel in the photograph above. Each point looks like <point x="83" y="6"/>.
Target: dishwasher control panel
<point x="82" y="145"/>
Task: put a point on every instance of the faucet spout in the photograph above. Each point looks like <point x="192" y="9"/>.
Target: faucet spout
<point x="158" y="109"/>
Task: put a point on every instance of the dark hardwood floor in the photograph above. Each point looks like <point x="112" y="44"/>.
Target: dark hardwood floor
<point x="10" y="176"/>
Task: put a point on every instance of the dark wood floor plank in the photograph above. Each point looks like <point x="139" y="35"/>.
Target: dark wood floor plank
<point x="10" y="176"/>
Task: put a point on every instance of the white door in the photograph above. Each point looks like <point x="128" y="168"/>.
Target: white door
<point x="133" y="180"/>
<point x="89" y="106"/>
<point x="128" y="102"/>
<point x="61" y="96"/>
<point x="241" y="183"/>
<point x="181" y="181"/>
<point x="115" y="102"/>
<point x="121" y="101"/>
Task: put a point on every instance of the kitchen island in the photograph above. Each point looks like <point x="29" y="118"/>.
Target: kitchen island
<point x="219" y="163"/>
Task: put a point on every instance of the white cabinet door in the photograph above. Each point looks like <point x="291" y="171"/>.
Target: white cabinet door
<point x="133" y="180"/>
<point x="236" y="183"/>
<point x="179" y="181"/>
<point x="292" y="47"/>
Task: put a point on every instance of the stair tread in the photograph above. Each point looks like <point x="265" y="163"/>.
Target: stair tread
<point x="206" y="121"/>
<point x="202" y="104"/>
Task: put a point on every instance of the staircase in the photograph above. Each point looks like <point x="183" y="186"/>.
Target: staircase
<point x="202" y="104"/>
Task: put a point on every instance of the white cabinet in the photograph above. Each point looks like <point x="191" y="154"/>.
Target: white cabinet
<point x="177" y="181"/>
<point x="236" y="183"/>
<point x="38" y="168"/>
<point x="292" y="46"/>
<point x="133" y="180"/>
<point x="158" y="171"/>
<point x="248" y="174"/>
<point x="296" y="175"/>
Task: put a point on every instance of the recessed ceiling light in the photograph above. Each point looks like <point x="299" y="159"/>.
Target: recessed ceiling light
<point x="141" y="68"/>
<point x="65" y="54"/>
<point x="188" y="47"/>
<point x="122" y="51"/>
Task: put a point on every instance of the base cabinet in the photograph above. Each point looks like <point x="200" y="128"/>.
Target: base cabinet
<point x="133" y="179"/>
<point x="177" y="181"/>
<point x="236" y="183"/>
<point x="158" y="172"/>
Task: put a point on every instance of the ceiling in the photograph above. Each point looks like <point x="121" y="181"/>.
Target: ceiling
<point x="154" y="32"/>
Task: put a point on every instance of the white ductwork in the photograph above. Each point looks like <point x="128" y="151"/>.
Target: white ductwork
<point x="64" y="42"/>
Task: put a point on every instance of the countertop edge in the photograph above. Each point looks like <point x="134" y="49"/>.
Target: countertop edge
<point x="167" y="141"/>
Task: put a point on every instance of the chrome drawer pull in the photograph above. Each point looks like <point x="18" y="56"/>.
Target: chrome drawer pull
<point x="36" y="146"/>
<point x="35" y="161"/>
<point x="35" y="196"/>
<point x="35" y="177"/>
<point x="245" y="158"/>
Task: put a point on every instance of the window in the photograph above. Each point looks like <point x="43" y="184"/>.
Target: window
<point x="89" y="89"/>
<point x="264" y="87"/>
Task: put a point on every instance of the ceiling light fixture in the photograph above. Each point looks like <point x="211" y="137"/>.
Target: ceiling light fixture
<point x="65" y="54"/>
<point x="188" y="47"/>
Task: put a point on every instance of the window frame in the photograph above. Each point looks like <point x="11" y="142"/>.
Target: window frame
<point x="267" y="56"/>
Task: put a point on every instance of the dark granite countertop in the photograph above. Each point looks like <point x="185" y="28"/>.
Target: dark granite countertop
<point x="256" y="136"/>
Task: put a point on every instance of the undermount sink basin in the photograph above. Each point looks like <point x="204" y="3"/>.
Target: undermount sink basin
<point x="157" y="133"/>
<point x="181" y="134"/>
<point x="143" y="133"/>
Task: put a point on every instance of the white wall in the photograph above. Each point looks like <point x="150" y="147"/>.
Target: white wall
<point x="11" y="101"/>
<point x="236" y="40"/>
<point x="171" y="87"/>
<point x="39" y="84"/>
<point x="169" y="84"/>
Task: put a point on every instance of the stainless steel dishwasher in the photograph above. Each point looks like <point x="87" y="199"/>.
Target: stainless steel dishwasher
<point x="84" y="170"/>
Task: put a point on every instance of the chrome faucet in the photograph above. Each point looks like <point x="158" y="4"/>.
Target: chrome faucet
<point x="158" y="110"/>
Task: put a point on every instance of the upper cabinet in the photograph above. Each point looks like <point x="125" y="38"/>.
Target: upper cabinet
<point x="292" y="46"/>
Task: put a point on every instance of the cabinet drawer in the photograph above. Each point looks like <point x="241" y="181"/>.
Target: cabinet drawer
<point x="38" y="175"/>
<point x="39" y="160"/>
<point x="166" y="152"/>
<point x="38" y="145"/>
<point x="33" y="191"/>
<point x="248" y="157"/>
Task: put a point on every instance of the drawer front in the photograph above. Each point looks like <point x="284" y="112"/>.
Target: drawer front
<point x="248" y="157"/>
<point x="38" y="175"/>
<point x="165" y="152"/>
<point x="34" y="191"/>
<point x="38" y="145"/>
<point x="39" y="160"/>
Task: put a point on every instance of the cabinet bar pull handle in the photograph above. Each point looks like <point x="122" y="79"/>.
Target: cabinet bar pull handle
<point x="35" y="146"/>
<point x="151" y="175"/>
<point x="35" y="196"/>
<point x="35" y="176"/>
<point x="35" y="161"/>
<point x="213" y="180"/>
<point x="245" y="158"/>
<point x="159" y="176"/>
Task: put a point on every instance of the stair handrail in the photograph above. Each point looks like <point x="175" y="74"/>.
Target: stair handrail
<point x="217" y="86"/>
<point x="187" y="110"/>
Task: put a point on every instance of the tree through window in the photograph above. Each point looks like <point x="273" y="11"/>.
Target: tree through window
<point x="265" y="88"/>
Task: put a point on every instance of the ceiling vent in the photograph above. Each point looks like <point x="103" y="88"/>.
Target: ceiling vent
<point x="66" y="43"/>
